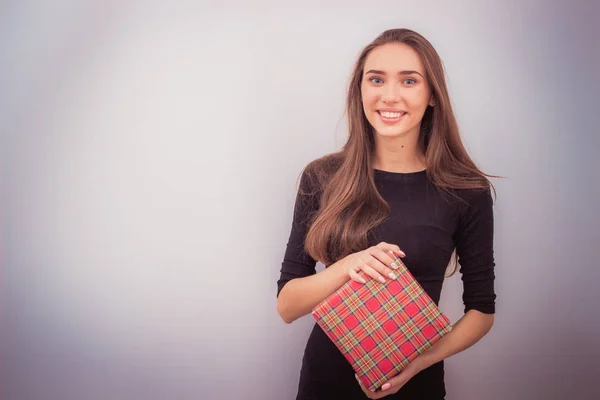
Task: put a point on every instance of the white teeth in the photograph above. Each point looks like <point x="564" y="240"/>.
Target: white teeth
<point x="388" y="114"/>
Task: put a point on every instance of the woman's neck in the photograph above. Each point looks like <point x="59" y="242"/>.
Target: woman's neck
<point x="398" y="155"/>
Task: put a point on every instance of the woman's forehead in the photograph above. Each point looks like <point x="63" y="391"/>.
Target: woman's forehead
<point x="393" y="58"/>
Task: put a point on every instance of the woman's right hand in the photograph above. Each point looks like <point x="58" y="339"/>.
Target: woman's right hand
<point x="377" y="261"/>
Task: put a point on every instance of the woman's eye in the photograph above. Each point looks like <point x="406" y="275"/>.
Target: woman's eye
<point x="378" y="81"/>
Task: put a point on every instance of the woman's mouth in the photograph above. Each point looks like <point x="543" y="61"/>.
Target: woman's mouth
<point x="390" y="117"/>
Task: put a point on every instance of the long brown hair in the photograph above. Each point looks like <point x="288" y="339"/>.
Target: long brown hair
<point x="350" y="204"/>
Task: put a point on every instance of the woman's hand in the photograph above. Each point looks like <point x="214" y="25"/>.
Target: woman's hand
<point x="377" y="262"/>
<point x="394" y="384"/>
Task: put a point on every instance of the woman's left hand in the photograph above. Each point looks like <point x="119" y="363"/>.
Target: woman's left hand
<point x="393" y="385"/>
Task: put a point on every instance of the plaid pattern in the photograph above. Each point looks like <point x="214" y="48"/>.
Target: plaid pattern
<point x="380" y="328"/>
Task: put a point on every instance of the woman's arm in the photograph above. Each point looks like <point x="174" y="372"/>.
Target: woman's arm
<point x="465" y="333"/>
<point x="474" y="240"/>
<point x="304" y="293"/>
<point x="300" y="288"/>
<point x="299" y="296"/>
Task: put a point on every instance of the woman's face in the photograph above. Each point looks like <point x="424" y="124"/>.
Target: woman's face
<point x="395" y="92"/>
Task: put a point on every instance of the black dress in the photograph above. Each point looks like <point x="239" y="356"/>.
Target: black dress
<point x="427" y="224"/>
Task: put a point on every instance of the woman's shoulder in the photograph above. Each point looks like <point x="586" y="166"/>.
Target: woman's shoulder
<point x="318" y="172"/>
<point x="476" y="199"/>
<point x="475" y="193"/>
<point x="327" y="164"/>
<point x="478" y="192"/>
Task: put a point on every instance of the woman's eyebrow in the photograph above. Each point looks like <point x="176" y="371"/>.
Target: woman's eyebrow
<point x="375" y="71"/>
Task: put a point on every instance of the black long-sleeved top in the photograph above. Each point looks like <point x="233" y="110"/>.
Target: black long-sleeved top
<point x="427" y="224"/>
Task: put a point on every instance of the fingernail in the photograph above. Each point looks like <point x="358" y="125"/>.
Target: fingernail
<point x="392" y="275"/>
<point x="386" y="386"/>
<point x="394" y="265"/>
<point x="401" y="253"/>
<point x="381" y="279"/>
<point x="362" y="280"/>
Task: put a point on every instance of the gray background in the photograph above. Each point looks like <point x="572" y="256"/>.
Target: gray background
<point x="149" y="162"/>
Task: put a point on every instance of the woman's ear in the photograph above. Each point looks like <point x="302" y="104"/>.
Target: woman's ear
<point x="432" y="101"/>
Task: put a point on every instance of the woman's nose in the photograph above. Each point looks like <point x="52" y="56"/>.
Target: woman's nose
<point x="391" y="93"/>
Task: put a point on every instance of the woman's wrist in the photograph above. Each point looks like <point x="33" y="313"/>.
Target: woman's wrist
<point x="341" y="269"/>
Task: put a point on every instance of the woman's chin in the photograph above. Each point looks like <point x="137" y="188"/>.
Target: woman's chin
<point x="387" y="132"/>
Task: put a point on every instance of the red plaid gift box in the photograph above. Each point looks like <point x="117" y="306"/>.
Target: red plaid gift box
<point x="380" y="328"/>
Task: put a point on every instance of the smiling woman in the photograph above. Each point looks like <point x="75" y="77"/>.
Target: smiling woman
<point x="403" y="185"/>
<point x="381" y="89"/>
